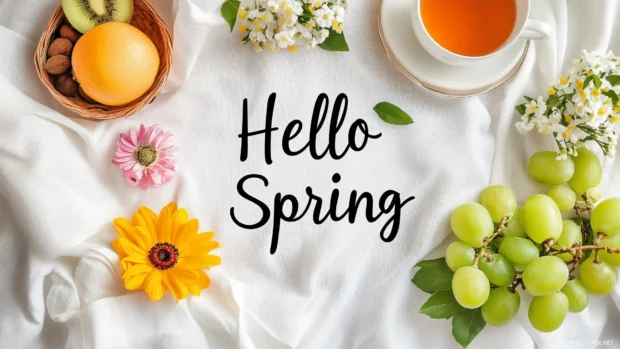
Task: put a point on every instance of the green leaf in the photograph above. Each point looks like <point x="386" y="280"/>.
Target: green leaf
<point x="466" y="325"/>
<point x="335" y="42"/>
<point x="553" y="101"/>
<point x="430" y="262"/>
<point x="597" y="81"/>
<point x="529" y="99"/>
<point x="520" y="109"/>
<point x="392" y="114"/>
<point x="441" y="305"/>
<point x="229" y="11"/>
<point x="612" y="94"/>
<point x="586" y="82"/>
<point x="433" y="276"/>
<point x="614" y="80"/>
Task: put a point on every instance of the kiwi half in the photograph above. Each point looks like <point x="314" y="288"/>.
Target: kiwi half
<point x="84" y="15"/>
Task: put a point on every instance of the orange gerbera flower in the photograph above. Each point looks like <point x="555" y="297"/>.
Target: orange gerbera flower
<point x="165" y="252"/>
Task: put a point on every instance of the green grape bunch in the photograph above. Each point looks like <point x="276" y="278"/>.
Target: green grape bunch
<point x="559" y="247"/>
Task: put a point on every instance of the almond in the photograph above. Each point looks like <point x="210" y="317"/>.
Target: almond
<point x="57" y="65"/>
<point x="67" y="32"/>
<point x="60" y="46"/>
<point x="66" y="85"/>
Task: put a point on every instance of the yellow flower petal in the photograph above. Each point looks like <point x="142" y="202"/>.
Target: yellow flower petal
<point x="126" y="248"/>
<point x="198" y="262"/>
<point x="175" y="284"/>
<point x="153" y="285"/>
<point x="178" y="221"/>
<point x="200" y="283"/>
<point x="165" y="221"/>
<point x="136" y="282"/>
<point x="200" y="244"/>
<point x="136" y="259"/>
<point x="146" y="219"/>
<point x="188" y="231"/>
<point x="137" y="269"/>
<point x="125" y="229"/>
<point x="172" y="207"/>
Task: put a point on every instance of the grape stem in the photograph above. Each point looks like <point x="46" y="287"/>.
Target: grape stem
<point x="487" y="240"/>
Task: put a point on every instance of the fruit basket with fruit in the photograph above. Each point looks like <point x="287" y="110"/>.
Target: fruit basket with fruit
<point x="104" y="59"/>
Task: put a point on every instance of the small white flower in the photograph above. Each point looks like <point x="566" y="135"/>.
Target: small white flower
<point x="285" y="38"/>
<point x="324" y="16"/>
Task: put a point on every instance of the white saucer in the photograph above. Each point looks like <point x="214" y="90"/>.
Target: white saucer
<point x="408" y="56"/>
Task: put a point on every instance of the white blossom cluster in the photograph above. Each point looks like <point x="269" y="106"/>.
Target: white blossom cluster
<point x="582" y="107"/>
<point x="289" y="24"/>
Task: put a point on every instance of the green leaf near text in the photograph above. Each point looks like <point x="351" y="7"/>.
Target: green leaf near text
<point x="229" y="11"/>
<point x="335" y="42"/>
<point x="434" y="277"/>
<point x="392" y="114"/>
<point x="441" y="305"/>
<point x="520" y="109"/>
<point x="586" y="82"/>
<point x="597" y="81"/>
<point x="466" y="325"/>
<point x="614" y="80"/>
<point x="430" y="263"/>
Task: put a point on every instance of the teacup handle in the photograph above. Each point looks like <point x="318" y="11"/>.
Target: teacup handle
<point x="535" y="30"/>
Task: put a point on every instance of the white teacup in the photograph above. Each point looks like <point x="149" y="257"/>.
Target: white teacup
<point x="524" y="28"/>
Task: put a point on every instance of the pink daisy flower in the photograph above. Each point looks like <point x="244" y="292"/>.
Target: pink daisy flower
<point x="146" y="156"/>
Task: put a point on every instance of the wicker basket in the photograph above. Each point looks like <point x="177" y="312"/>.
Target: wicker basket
<point x="146" y="19"/>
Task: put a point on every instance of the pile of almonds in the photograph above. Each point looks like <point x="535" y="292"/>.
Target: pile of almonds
<point x="59" y="63"/>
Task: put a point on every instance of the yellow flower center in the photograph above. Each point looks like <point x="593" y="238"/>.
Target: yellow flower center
<point x="243" y="29"/>
<point x="579" y="85"/>
<point x="602" y="111"/>
<point x="532" y="108"/>
<point x="325" y="16"/>
<point x="292" y="48"/>
<point x="563" y="81"/>
<point x="614" y="119"/>
<point x="284" y="38"/>
<point x="580" y="107"/>
<point x="146" y="156"/>
<point x="568" y="118"/>
<point x="289" y="11"/>
<point x="163" y="255"/>
<point x="596" y="92"/>
<point x="551" y="91"/>
<point x="243" y="14"/>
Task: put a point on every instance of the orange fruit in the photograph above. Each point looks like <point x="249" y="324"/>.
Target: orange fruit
<point x="115" y="63"/>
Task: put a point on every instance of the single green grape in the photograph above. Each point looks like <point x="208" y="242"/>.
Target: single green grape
<point x="498" y="269"/>
<point x="578" y="296"/>
<point x="588" y="171"/>
<point x="606" y="218"/>
<point x="545" y="275"/>
<point x="471" y="223"/>
<point x="547" y="313"/>
<point x="459" y="254"/>
<point x="514" y="227"/>
<point x="598" y="278"/>
<point x="564" y="196"/>
<point x="571" y="234"/>
<point x="542" y="219"/>
<point x="470" y="287"/>
<point x="546" y="169"/>
<point x="611" y="258"/>
<point x="519" y="251"/>
<point x="595" y="194"/>
<point x="500" y="201"/>
<point x="501" y="307"/>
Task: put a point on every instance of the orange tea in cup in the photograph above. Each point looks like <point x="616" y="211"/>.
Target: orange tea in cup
<point x="469" y="27"/>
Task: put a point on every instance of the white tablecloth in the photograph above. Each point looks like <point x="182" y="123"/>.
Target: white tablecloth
<point x="335" y="285"/>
